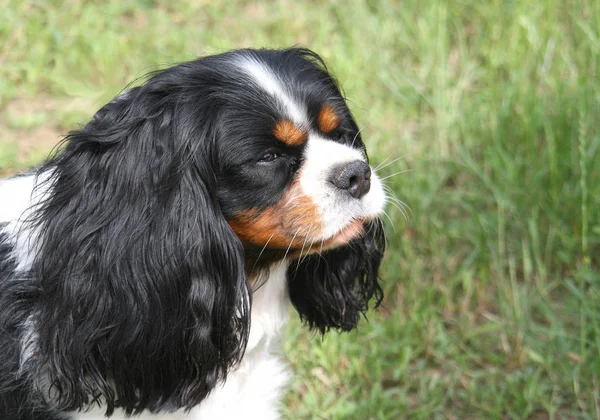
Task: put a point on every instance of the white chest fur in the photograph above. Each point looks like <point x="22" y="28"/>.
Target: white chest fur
<point x="254" y="389"/>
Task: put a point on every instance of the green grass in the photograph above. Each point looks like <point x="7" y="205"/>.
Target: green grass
<point x="493" y="283"/>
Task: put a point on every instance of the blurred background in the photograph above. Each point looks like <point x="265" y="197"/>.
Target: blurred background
<point x="485" y="120"/>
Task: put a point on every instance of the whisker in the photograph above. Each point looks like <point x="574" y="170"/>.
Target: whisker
<point x="376" y="227"/>
<point x="397" y="173"/>
<point x="381" y="165"/>
<point x="400" y="208"/>
<point x="390" y="219"/>
<point x="401" y="203"/>
<point x="379" y="226"/>
<point x="291" y="242"/>
<point x="391" y="195"/>
<point x="304" y="244"/>
<point x="356" y="135"/>
<point x="307" y="254"/>
<point x="261" y="251"/>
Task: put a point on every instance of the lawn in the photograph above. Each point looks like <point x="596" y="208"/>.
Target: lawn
<point x="485" y="119"/>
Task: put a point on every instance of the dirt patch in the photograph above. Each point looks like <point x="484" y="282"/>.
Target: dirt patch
<point x="21" y="106"/>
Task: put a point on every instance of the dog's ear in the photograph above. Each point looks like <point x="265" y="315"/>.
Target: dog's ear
<point x="144" y="301"/>
<point x="332" y="290"/>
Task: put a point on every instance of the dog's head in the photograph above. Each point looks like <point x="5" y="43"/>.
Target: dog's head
<point x="164" y="206"/>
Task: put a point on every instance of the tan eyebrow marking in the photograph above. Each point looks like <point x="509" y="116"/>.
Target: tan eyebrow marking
<point x="288" y="133"/>
<point x="328" y="119"/>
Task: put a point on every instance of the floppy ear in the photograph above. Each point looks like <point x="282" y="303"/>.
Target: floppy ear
<point x="143" y="300"/>
<point x="333" y="289"/>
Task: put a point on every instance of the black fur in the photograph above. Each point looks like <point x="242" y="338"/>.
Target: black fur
<point x="16" y="402"/>
<point x="139" y="289"/>
<point x="144" y="282"/>
<point x="332" y="290"/>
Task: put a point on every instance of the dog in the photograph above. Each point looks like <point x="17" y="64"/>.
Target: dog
<point x="147" y="267"/>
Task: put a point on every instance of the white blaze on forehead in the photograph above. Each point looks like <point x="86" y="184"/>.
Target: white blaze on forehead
<point x="266" y="79"/>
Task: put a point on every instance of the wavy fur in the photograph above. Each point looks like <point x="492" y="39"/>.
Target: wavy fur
<point x="134" y="292"/>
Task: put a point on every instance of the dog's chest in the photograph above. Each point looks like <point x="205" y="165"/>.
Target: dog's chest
<point x="257" y="384"/>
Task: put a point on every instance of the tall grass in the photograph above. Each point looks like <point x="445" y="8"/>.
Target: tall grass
<point x="493" y="284"/>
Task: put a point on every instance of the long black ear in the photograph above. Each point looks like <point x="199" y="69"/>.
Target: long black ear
<point x="332" y="290"/>
<point x="143" y="300"/>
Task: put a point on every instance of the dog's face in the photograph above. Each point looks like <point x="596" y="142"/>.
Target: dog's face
<point x="293" y="170"/>
<point x="161" y="207"/>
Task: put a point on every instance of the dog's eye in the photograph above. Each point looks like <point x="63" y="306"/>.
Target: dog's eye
<point x="269" y="156"/>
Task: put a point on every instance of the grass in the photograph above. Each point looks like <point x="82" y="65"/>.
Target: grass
<point x="493" y="283"/>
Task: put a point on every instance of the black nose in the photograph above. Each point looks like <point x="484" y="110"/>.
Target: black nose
<point x="355" y="177"/>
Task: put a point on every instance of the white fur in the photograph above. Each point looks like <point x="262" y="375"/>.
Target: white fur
<point x="266" y="79"/>
<point x="337" y="210"/>
<point x="18" y="197"/>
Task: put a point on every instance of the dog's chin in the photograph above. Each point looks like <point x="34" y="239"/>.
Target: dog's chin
<point x="351" y="231"/>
